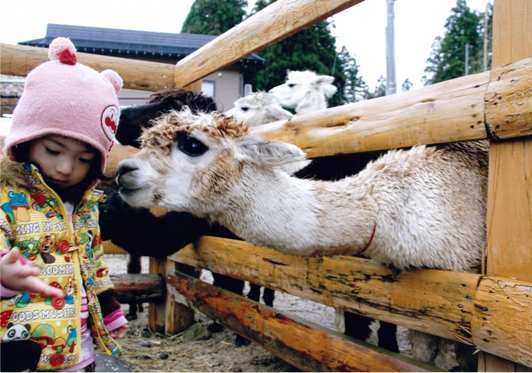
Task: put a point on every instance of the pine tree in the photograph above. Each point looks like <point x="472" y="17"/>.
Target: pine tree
<point x="310" y="49"/>
<point x="407" y="85"/>
<point x="447" y="59"/>
<point x="214" y="17"/>
<point x="379" y="91"/>
<point x="354" y="84"/>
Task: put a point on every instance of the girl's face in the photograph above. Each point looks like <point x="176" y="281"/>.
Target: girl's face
<point x="64" y="162"/>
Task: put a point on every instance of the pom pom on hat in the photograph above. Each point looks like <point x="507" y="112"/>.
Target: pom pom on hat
<point x="62" y="49"/>
<point x="115" y="79"/>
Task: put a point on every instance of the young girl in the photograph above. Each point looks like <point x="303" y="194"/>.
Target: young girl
<point x="56" y="297"/>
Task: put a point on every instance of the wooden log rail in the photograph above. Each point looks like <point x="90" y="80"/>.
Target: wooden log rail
<point x="492" y="313"/>
<point x="302" y="344"/>
<point x="273" y="23"/>
<point x="139" y="288"/>
<point x="456" y="110"/>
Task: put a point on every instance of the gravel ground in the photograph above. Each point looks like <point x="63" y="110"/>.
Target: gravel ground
<point x="198" y="349"/>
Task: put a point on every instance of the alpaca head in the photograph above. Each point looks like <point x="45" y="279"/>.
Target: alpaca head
<point x="199" y="163"/>
<point x="305" y="90"/>
<point x="258" y="108"/>
<point x="134" y="119"/>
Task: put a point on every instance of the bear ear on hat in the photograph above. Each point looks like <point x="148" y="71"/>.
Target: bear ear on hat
<point x="115" y="79"/>
<point x="62" y="49"/>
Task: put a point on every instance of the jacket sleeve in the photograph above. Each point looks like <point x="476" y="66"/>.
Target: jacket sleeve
<point x="6" y="233"/>
<point x="102" y="280"/>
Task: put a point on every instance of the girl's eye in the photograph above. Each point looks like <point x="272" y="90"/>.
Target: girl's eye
<point x="52" y="152"/>
<point x="190" y="146"/>
<point x="87" y="161"/>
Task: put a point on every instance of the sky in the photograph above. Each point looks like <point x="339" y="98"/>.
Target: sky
<point x="360" y="28"/>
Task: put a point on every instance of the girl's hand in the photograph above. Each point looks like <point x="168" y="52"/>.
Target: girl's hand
<point x="119" y="333"/>
<point x="16" y="273"/>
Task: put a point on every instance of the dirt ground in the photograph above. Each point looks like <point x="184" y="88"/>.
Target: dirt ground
<point x="198" y="349"/>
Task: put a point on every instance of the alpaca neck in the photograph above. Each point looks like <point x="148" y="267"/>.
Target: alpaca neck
<point x="296" y="216"/>
<point x="312" y="101"/>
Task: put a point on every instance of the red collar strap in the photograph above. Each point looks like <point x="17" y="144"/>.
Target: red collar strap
<point x="370" y="240"/>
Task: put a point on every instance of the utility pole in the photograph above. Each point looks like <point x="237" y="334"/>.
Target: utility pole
<point x="486" y="33"/>
<point x="466" y="62"/>
<point x="390" y="48"/>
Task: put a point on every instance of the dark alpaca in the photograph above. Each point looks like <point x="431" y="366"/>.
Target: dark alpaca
<point x="170" y="232"/>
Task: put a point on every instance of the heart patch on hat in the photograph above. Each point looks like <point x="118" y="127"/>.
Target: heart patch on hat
<point x="109" y="121"/>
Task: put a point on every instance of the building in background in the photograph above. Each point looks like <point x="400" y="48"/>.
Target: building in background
<point x="225" y="86"/>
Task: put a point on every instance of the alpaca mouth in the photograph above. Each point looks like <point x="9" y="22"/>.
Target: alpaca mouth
<point x="128" y="191"/>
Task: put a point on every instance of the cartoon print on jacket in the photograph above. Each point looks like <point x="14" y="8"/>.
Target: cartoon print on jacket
<point x="17" y="207"/>
<point x="17" y="332"/>
<point x="45" y="247"/>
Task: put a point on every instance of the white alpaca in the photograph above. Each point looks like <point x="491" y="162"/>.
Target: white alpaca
<point x="424" y="207"/>
<point x="258" y="108"/>
<point x="305" y="91"/>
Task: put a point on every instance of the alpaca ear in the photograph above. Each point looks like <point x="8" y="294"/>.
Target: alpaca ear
<point x="276" y="112"/>
<point x="325" y="82"/>
<point x="270" y="153"/>
<point x="293" y="167"/>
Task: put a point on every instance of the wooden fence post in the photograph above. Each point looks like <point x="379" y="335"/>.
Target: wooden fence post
<point x="178" y="316"/>
<point x="509" y="217"/>
<point x="156" y="311"/>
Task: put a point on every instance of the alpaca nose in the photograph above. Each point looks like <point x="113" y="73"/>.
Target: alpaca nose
<point x="125" y="173"/>
<point x="125" y="168"/>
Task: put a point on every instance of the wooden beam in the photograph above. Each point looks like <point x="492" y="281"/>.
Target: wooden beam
<point x="308" y="347"/>
<point x="509" y="216"/>
<point x="138" y="287"/>
<point x="508" y="109"/>
<point x="156" y="311"/>
<point x="450" y="111"/>
<point x="442" y="302"/>
<point x="273" y="23"/>
<point x="178" y="316"/>
<point x="143" y="75"/>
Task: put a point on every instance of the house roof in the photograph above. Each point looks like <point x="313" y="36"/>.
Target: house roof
<point x="130" y="43"/>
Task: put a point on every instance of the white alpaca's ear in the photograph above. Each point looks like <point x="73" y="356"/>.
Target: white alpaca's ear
<point x="325" y="82"/>
<point x="293" y="167"/>
<point x="277" y="112"/>
<point x="270" y="153"/>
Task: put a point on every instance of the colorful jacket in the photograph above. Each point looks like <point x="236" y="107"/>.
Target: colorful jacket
<point x="33" y="218"/>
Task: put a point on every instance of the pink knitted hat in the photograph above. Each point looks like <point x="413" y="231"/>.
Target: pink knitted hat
<point x="62" y="97"/>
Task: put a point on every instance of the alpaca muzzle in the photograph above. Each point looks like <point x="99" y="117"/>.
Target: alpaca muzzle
<point x="127" y="177"/>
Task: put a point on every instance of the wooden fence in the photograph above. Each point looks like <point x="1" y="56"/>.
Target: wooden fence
<point x="491" y="310"/>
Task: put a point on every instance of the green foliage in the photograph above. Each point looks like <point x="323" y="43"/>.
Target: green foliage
<point x="310" y="49"/>
<point x="447" y="59"/>
<point x="214" y="17"/>
<point x="354" y="84"/>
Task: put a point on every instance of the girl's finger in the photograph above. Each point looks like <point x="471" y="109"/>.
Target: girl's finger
<point x="28" y="270"/>
<point x="37" y="286"/>
<point x="12" y="256"/>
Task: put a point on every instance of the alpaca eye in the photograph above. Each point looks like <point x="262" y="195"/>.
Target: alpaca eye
<point x="291" y="85"/>
<point x="190" y="146"/>
<point x="244" y="108"/>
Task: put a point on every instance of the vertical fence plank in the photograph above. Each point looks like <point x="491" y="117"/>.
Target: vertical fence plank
<point x="178" y="316"/>
<point x="156" y="311"/>
<point x="509" y="217"/>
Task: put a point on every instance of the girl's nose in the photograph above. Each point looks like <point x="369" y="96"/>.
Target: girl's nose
<point x="65" y="166"/>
